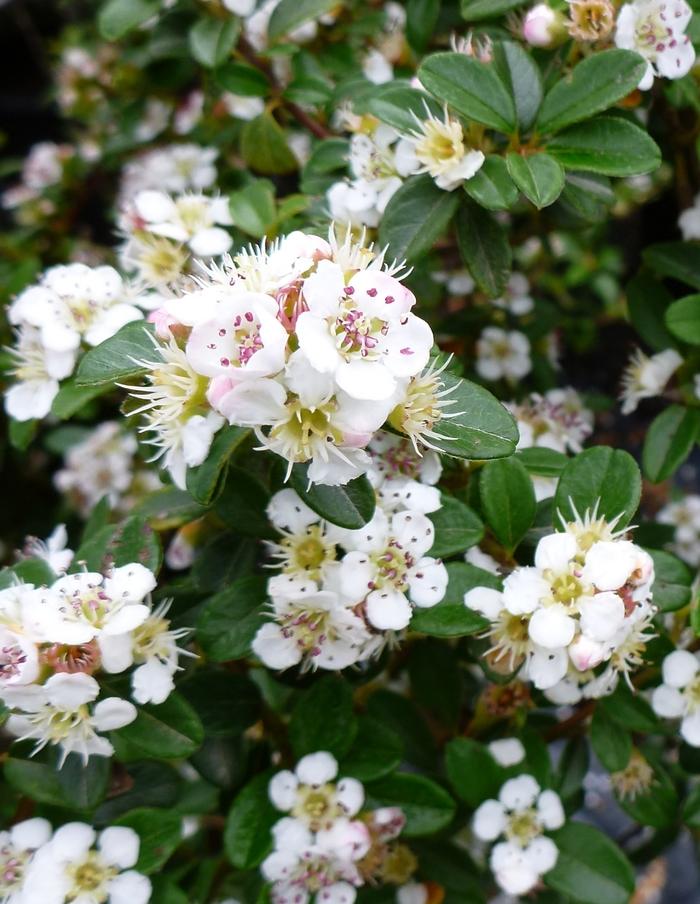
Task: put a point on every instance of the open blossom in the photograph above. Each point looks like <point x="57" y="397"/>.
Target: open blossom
<point x="311" y="794"/>
<point x="17" y="849"/>
<point x="585" y="601"/>
<point x="678" y="697"/>
<point x="522" y="814"/>
<point x="502" y="354"/>
<point x="38" y="371"/>
<point x="591" y="20"/>
<point x="439" y="147"/>
<point x="78" y="865"/>
<point x="174" y="169"/>
<point x="684" y="515"/>
<point x="192" y="219"/>
<point x="655" y="29"/>
<point x="304" y="548"/>
<point x="646" y="377"/>
<point x="74" y="302"/>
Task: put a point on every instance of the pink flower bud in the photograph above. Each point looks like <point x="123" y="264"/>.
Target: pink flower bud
<point x="586" y="653"/>
<point x="543" y="27"/>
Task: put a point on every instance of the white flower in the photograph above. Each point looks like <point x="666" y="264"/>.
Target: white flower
<point x="542" y="26"/>
<point x="59" y="712"/>
<point x="655" y="29"/>
<point x="362" y="331"/>
<point x="245" y="108"/>
<point x="78" y="865"/>
<point x="389" y="570"/>
<point x="174" y="169"/>
<point x="522" y="813"/>
<point x="193" y="219"/>
<point x="152" y="647"/>
<point x="516" y="297"/>
<point x="311" y="626"/>
<point x="53" y="550"/>
<point x="645" y="377"/>
<point x="678" y="697"/>
<point x="689" y="221"/>
<point x="17" y="849"/>
<point x="304" y="550"/>
<point x="685" y="516"/>
<point x="502" y="354"/>
<point x="38" y="371"/>
<point x="556" y="420"/>
<point x="312" y="795"/>
<point x="438" y="146"/>
<point x="376" y="68"/>
<point x="74" y="302"/>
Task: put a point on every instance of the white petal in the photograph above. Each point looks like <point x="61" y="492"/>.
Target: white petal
<point x="274" y="649"/>
<point x="130" y="582"/>
<point x="551" y="627"/>
<point x="317" y="768"/>
<point x="427" y="582"/>
<point x="485" y="600"/>
<point x="609" y="563"/>
<point x="113" y="713"/>
<point x="519" y="792"/>
<point x="690" y="729"/>
<point x="350" y="795"/>
<point x="119" y="846"/>
<point x="126" y="619"/>
<point x="668" y="702"/>
<point x="65" y="691"/>
<point x="73" y="839"/>
<point x="523" y="589"/>
<point x="550" y="810"/>
<point x="31" y="833"/>
<point x="489" y="820"/>
<point x="388" y="610"/>
<point x="282" y="790"/>
<point x="555" y="551"/>
<point x="507" y="751"/>
<point x="679" y="668"/>
<point x="130" y="888"/>
<point x="542" y="852"/>
<point x="602" y="615"/>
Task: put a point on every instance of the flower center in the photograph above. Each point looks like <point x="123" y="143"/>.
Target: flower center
<point x="159" y="259"/>
<point x="566" y="588"/>
<point x="392" y="565"/>
<point x="523" y="826"/>
<point x="652" y="33"/>
<point x="441" y="143"/>
<point x="355" y="332"/>
<point x="246" y="335"/>
<point x="12" y="658"/>
<point x="12" y="864"/>
<point x="67" y="658"/>
<point x="92" y="877"/>
<point x="305" y="429"/>
<point x="316" y="806"/>
<point x="307" y="553"/>
<point x="692" y="695"/>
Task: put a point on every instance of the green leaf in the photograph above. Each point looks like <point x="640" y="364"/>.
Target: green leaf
<point x="168" y="508"/>
<point x="21" y="433"/>
<point x="427" y="807"/>
<point x="590" y="868"/>
<point x="507" y="500"/>
<point x="211" y="40"/>
<point x="75" y="786"/>
<point x="73" y="396"/>
<point x="399" y="106"/>
<point x="146" y="784"/>
<point x="29" y="571"/>
<point x="595" y="84"/>
<point x="323" y="719"/>
<point x="129" y="541"/>
<point x="630" y="710"/>
<point x="519" y="72"/>
<point x="683" y="319"/>
<point x="376" y="751"/>
<point x="242" y="505"/>
<point x="472" y="88"/>
<point x="160" y="833"/>
<point x="243" y="80"/>
<point x="264" y="147"/>
<point x="672" y="581"/>
<point x="481" y="428"/>
<point x="475" y="10"/>
<point x="451" y="618"/>
<point x="539" y="177"/>
<point x="171" y="730"/>
<point x="231" y="618"/>
<point x="473" y="772"/>
<point x="253" y="207"/>
<point x="457" y="528"/>
<point x="421" y="19"/>
<point x="206" y="481"/>
<point x="587" y="196"/>
<point x="328" y="159"/>
<point x="611" y="742"/>
<point x="679" y="260"/>
<point x="290" y="14"/>
<point x="350" y="506"/>
<point x="542" y="461"/>
<point x="647" y="302"/>
<point x="608" y="145"/>
<point x="669" y="441"/>
<point x="415" y="217"/>
<point x="609" y="477"/>
<point x="691" y="808"/>
<point x="120" y="356"/>
<point x="483" y="244"/>
<point x="492" y="187"/>
<point x="118" y="17"/>
<point x="248" y="832"/>
<point x="227" y="704"/>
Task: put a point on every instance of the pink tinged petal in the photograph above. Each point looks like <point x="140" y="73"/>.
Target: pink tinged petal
<point x="679" y="668"/>
<point x="586" y="653"/>
<point x="388" y="610"/>
<point x="119" y="846"/>
<point x="282" y="790"/>
<point x="489" y="820"/>
<point x="130" y="888"/>
<point x="113" y="713"/>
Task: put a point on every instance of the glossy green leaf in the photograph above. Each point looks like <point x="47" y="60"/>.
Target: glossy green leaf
<point x="118" y="17"/>
<point x="290" y="14"/>
<point x="647" y="303"/>
<point x="160" y="833"/>
<point x="595" y="84"/>
<point x="450" y="617"/>
<point x="672" y="581"/>
<point x="608" y="145"/>
<point x="457" y="528"/>
<point x="679" y="260"/>
<point x="492" y="187"/>
<point x="426" y="806"/>
<point x="611" y="742"/>
<point x="119" y="357"/>
<point x="476" y="10"/>
<point x="473" y="772"/>
<point x="520" y="73"/>
<point x="683" y="319"/>
<point x="206" y="481"/>
<point x="253" y="207"/>
<point x="248" y="835"/>
<point x="608" y="477"/>
<point x="400" y="106"/>
<point x="484" y="247"/>
<point x="211" y="40"/>
<point x="669" y="441"/>
<point x="350" y="505"/>
<point x="590" y="867"/>
<point x="243" y="80"/>
<point x="421" y="19"/>
<point x="229" y="620"/>
<point x="264" y="147"/>
<point x="375" y="751"/>
<point x="75" y="786"/>
<point x="73" y="397"/>
<point x="335" y="730"/>
<point x="507" y="500"/>
<point x="539" y="177"/>
<point x="416" y="216"/>
<point x="171" y="730"/>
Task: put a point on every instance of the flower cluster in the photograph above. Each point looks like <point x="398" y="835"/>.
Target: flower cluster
<point x="55" y="639"/>
<point x="678" y="697"/>
<point x="70" y="306"/>
<point x="174" y="169"/>
<point x="73" y="863"/>
<point x="311" y="344"/>
<point x="521" y="815"/>
<point x="585" y="602"/>
<point x="342" y="594"/>
<point x="103" y="464"/>
<point x="655" y="29"/>
<point x="326" y="847"/>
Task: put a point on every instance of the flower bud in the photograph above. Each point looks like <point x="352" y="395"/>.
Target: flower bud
<point x="543" y="26"/>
